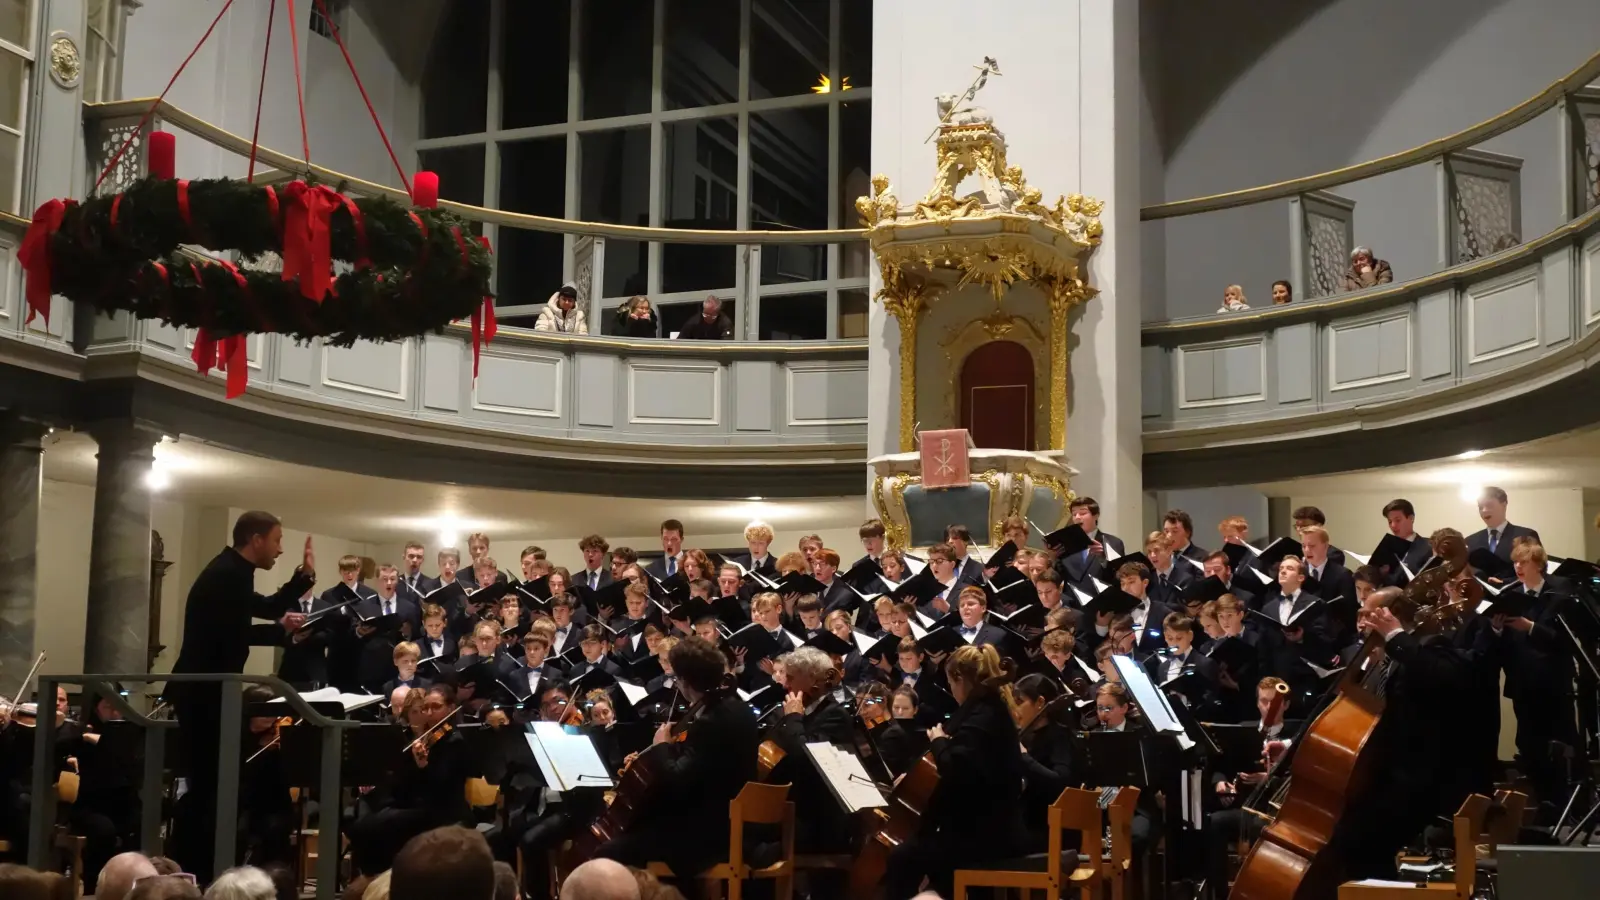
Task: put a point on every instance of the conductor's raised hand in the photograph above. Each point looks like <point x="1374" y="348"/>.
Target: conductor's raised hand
<point x="308" y="562"/>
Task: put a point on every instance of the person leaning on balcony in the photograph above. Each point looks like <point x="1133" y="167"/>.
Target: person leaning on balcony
<point x="1233" y="299"/>
<point x="562" y="313"/>
<point x="635" y="318"/>
<point x="1366" y="270"/>
<point x="709" y="324"/>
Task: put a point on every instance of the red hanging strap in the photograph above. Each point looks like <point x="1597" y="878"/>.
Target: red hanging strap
<point x="34" y="255"/>
<point x="261" y="93"/>
<point x="299" y="90"/>
<point x="338" y="39"/>
<point x="156" y="105"/>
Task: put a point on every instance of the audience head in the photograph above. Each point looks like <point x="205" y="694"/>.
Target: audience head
<point x="600" y="879"/>
<point x="446" y="862"/>
<point x="1492" y="507"/>
<point x="378" y="887"/>
<point x="242" y="883"/>
<point x="1282" y="292"/>
<point x="1361" y="256"/>
<point x="22" y="883"/>
<point x="505" y="882"/>
<point x="1233" y="295"/>
<point x="165" y="865"/>
<point x="165" y="887"/>
<point x="120" y="872"/>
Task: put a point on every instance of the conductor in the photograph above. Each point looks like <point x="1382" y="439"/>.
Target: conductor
<point x="217" y="635"/>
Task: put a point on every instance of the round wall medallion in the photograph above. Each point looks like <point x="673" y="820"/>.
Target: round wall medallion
<point x="66" y="66"/>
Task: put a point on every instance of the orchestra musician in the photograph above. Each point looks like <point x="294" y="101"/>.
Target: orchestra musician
<point x="1229" y="822"/>
<point x="1041" y="708"/>
<point x="811" y="715"/>
<point x="687" y="824"/>
<point x="976" y="813"/>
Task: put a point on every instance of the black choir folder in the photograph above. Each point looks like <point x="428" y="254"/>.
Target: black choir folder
<point x="846" y="779"/>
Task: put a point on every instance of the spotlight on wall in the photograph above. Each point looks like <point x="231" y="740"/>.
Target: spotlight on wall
<point x="448" y="538"/>
<point x="1470" y="454"/>
<point x="157" y="479"/>
<point x="1471" y="491"/>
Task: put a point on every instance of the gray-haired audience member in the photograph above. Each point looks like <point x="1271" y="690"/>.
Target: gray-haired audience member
<point x="600" y="879"/>
<point x="243" y="883"/>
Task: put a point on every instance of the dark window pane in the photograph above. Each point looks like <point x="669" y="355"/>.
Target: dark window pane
<point x="789" y="189"/>
<point x="701" y="67"/>
<point x="531" y="181"/>
<point x="455" y="89"/>
<point x="855" y="158"/>
<point x="614" y="186"/>
<point x="700" y="173"/>
<point x="788" y="47"/>
<point x="460" y="171"/>
<point x="855" y="42"/>
<point x="698" y="267"/>
<point x="617" y="43"/>
<point x="795" y="317"/>
<point x="533" y="70"/>
<point x="853" y="312"/>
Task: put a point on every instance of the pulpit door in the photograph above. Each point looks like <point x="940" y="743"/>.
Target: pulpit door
<point x="997" y="396"/>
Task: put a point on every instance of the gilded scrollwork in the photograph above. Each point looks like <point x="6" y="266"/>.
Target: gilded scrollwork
<point x="880" y="205"/>
<point x="905" y="296"/>
<point x="1063" y="294"/>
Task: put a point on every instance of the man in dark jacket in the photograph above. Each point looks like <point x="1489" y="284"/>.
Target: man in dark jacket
<point x="217" y="636"/>
<point x="709" y="325"/>
<point x="810" y="716"/>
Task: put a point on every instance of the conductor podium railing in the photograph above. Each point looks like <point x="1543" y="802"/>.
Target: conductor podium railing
<point x="42" y="815"/>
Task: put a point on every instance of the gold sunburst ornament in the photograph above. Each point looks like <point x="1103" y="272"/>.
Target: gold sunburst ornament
<point x="824" y="85"/>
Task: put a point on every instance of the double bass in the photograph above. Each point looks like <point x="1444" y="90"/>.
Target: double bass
<point x="1331" y="763"/>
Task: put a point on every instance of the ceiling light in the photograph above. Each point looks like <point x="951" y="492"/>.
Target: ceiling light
<point x="157" y="479"/>
<point x="756" y="499"/>
<point x="1470" y="454"/>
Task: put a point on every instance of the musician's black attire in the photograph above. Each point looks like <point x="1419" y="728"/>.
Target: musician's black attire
<point x="900" y="743"/>
<point x="1046" y="771"/>
<point x="538" y="820"/>
<point x="266" y="812"/>
<point x="217" y="636"/>
<point x="16" y="766"/>
<point x="419" y="799"/>
<point x="685" y="824"/>
<point x="821" y="825"/>
<point x="975" y="815"/>
<point x="1539" y="670"/>
<point x="107" y="810"/>
<point x="1424" y="723"/>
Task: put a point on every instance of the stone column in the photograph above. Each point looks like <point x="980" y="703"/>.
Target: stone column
<point x="115" y="636"/>
<point x="1069" y="113"/>
<point x="21" y="475"/>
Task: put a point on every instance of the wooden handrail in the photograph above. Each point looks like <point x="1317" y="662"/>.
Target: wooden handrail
<point x="1461" y="140"/>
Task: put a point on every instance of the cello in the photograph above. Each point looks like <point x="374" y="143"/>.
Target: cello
<point x="1295" y="856"/>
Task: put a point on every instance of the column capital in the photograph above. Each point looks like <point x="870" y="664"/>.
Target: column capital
<point x="125" y="437"/>
<point x="21" y="431"/>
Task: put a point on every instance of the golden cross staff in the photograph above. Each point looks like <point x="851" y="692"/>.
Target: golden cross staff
<point x="984" y="71"/>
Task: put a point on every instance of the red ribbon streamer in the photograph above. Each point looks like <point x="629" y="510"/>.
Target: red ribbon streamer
<point x="183" y="203"/>
<point x="35" y="256"/>
<point x="360" y="225"/>
<point x="227" y="355"/>
<point x="306" y="241"/>
<point x="484" y="327"/>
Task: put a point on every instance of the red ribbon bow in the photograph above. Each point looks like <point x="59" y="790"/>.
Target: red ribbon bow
<point x="35" y="255"/>
<point x="227" y="355"/>
<point x="483" y="323"/>
<point x="306" y="241"/>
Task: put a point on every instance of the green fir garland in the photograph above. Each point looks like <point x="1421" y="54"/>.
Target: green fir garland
<point x="409" y="281"/>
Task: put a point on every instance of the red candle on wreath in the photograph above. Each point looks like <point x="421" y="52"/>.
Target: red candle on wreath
<point x="425" y="189"/>
<point x="161" y="155"/>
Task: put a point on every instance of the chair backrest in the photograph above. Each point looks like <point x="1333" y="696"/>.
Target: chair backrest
<point x="481" y="793"/>
<point x="1075" y="810"/>
<point x="758" y="804"/>
<point x="1468" y="825"/>
<point x="67" y="787"/>
<point x="1503" y="823"/>
<point x="1119" y="815"/>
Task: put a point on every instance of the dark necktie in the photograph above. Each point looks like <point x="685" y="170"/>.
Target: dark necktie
<point x="1494" y="539"/>
<point x="594" y="581"/>
<point x="672" y="566"/>
<point x="305" y="606"/>
<point x="388" y="607"/>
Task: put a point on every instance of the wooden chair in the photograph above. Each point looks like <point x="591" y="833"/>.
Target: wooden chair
<point x="1503" y="823"/>
<point x="757" y="804"/>
<point x="1075" y="809"/>
<point x="481" y="793"/>
<point x="1468" y="824"/>
<point x="1114" y="866"/>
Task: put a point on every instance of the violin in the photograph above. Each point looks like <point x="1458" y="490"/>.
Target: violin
<point x="436" y="732"/>
<point x="275" y="740"/>
<point x="23" y="714"/>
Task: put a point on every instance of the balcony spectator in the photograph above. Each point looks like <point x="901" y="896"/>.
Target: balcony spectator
<point x="1233" y="300"/>
<point x="709" y="325"/>
<point x="1282" y="293"/>
<point x="561" y="314"/>
<point x="1366" y="270"/>
<point x="635" y="318"/>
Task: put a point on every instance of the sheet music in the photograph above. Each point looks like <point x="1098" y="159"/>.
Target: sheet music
<point x="864" y="642"/>
<point x="571" y="758"/>
<point x="1152" y="701"/>
<point x="846" y="777"/>
<point x="350" y="702"/>
<point x="633" y="692"/>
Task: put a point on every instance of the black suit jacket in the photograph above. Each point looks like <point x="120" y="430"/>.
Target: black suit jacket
<point x="305" y="662"/>
<point x="1539" y="659"/>
<point x="375" y="653"/>
<point x="217" y="634"/>
<point x="658" y="567"/>
<point x="1337" y="588"/>
<point x="1508" y="536"/>
<point x="971" y="572"/>
<point x="425" y="584"/>
<point x="582" y="577"/>
<point x="768" y="567"/>
<point x="1196" y="552"/>
<point x="1078" y="568"/>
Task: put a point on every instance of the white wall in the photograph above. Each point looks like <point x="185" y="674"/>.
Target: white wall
<point x="1352" y="81"/>
<point x="1208" y="506"/>
<point x="220" y="86"/>
<point x="1355" y="520"/>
